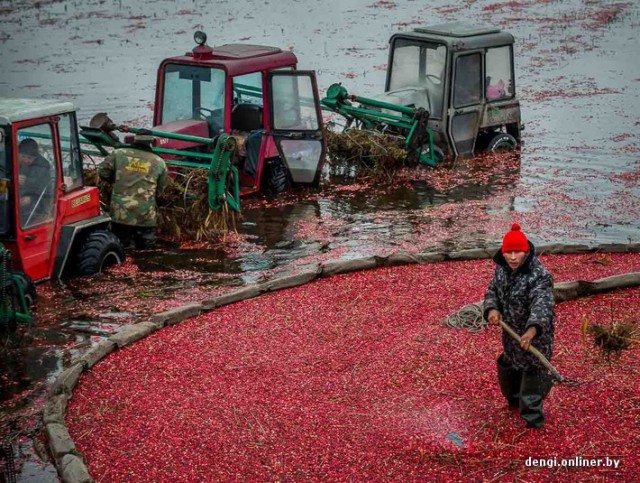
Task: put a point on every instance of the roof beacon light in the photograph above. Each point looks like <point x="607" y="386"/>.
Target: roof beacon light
<point x="200" y="37"/>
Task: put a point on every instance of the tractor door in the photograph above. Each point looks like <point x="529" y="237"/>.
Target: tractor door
<point x="35" y="177"/>
<point x="296" y="124"/>
<point x="466" y="102"/>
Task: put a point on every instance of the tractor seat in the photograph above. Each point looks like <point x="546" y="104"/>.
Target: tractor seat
<point x="246" y="117"/>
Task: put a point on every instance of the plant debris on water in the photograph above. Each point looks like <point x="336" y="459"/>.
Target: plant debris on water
<point x="616" y="337"/>
<point x="374" y="156"/>
<point x="183" y="207"/>
<point x="353" y="376"/>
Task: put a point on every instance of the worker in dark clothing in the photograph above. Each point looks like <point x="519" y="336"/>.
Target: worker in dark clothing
<point x="521" y="294"/>
<point x="34" y="176"/>
<point x="137" y="176"/>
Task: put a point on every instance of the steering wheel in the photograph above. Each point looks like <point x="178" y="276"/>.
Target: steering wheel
<point x="434" y="78"/>
<point x="214" y="118"/>
<point x="202" y="112"/>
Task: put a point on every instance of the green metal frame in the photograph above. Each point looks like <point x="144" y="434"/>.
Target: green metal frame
<point x="247" y="90"/>
<point x="8" y="283"/>
<point x="217" y="159"/>
<point x="220" y="171"/>
<point x="409" y="121"/>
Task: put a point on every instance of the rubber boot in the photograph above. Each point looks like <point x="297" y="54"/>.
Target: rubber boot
<point x="509" y="380"/>
<point x="124" y="234"/>
<point x="145" y="238"/>
<point x="534" y="388"/>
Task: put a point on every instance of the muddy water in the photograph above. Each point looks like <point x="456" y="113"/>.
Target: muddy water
<point x="575" y="180"/>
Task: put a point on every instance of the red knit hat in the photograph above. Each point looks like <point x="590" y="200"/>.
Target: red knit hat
<point x="515" y="240"/>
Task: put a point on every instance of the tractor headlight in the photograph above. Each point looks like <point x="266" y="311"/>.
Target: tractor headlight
<point x="200" y="37"/>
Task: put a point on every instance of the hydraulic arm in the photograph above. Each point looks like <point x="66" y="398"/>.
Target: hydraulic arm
<point x="365" y="113"/>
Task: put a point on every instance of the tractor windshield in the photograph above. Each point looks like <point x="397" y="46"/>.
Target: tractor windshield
<point x="193" y="92"/>
<point x="418" y="68"/>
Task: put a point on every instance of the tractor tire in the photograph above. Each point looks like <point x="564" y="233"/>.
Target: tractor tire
<point x="28" y="287"/>
<point x="100" y="250"/>
<point x="11" y="324"/>
<point x="276" y="179"/>
<point x="501" y="142"/>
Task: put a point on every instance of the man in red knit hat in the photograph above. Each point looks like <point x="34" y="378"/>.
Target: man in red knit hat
<point x="521" y="294"/>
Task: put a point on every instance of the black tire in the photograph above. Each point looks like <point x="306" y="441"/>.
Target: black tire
<point x="28" y="287"/>
<point x="276" y="179"/>
<point x="502" y="142"/>
<point x="99" y="250"/>
<point x="10" y="327"/>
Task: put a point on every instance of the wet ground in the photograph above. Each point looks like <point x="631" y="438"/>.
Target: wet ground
<point x="575" y="180"/>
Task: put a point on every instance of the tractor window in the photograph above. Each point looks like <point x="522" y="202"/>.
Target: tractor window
<point x="419" y="66"/>
<point x="192" y="92"/>
<point x="246" y="114"/>
<point x="71" y="157"/>
<point x="247" y="89"/>
<point x="468" y="83"/>
<point x="294" y="106"/>
<point x="499" y="80"/>
<point x="36" y="175"/>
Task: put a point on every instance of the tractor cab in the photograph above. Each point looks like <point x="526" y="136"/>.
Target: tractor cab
<point x="464" y="77"/>
<point x="50" y="222"/>
<point x="252" y="93"/>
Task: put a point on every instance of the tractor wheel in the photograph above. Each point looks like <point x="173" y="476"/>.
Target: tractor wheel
<point x="276" y="180"/>
<point x="28" y="287"/>
<point x="100" y="250"/>
<point x="501" y="142"/>
<point x="11" y="323"/>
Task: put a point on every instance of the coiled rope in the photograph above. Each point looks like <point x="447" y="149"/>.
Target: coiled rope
<point x="469" y="317"/>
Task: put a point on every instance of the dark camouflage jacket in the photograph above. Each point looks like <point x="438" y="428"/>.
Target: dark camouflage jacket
<point x="137" y="177"/>
<point x="524" y="297"/>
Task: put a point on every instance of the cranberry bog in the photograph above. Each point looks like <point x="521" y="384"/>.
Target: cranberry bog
<point x="575" y="180"/>
<point x="354" y="377"/>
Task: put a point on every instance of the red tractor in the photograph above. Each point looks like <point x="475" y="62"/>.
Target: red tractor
<point x="50" y="222"/>
<point x="250" y="93"/>
<point x="254" y="93"/>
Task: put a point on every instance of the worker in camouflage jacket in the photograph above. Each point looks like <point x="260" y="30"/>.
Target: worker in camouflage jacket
<point x="137" y="176"/>
<point x="521" y="295"/>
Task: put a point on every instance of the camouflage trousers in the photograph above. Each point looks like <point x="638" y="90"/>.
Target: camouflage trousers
<point x="140" y="237"/>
